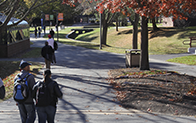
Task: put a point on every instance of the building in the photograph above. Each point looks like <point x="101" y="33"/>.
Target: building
<point x="16" y="39"/>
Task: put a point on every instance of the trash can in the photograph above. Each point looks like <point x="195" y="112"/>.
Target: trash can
<point x="132" y="58"/>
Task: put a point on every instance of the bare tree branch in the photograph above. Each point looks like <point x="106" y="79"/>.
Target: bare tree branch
<point x="30" y="9"/>
<point x="2" y="4"/>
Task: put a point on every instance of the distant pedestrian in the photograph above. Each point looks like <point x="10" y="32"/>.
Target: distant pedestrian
<point x="44" y="29"/>
<point x="39" y="31"/>
<point x="35" y="32"/>
<point x="46" y="94"/>
<point x="26" y="108"/>
<point x="2" y="89"/>
<point x="51" y="43"/>
<point x="52" y="33"/>
<point x="47" y="53"/>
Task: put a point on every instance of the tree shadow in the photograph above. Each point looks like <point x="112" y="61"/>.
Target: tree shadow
<point x="88" y="97"/>
<point x="155" y="94"/>
<point x="171" y="31"/>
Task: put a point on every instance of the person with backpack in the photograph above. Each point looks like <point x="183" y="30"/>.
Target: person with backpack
<point x="46" y="94"/>
<point x="47" y="53"/>
<point x="51" y="43"/>
<point x="23" y="98"/>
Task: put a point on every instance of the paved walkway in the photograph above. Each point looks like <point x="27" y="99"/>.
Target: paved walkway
<point x="88" y="98"/>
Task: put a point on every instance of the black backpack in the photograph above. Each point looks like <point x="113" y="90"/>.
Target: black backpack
<point x="21" y="89"/>
<point x="55" y="45"/>
<point x="43" y="96"/>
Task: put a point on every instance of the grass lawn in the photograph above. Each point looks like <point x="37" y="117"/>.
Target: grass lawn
<point x="189" y="60"/>
<point x="31" y="53"/>
<point x="167" y="40"/>
<point x="164" y="41"/>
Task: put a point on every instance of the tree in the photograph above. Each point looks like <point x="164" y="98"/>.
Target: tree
<point x="148" y="9"/>
<point x="19" y="9"/>
<point x="106" y="16"/>
<point x="151" y="9"/>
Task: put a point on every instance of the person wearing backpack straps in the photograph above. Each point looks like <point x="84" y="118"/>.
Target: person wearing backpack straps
<point x="51" y="43"/>
<point x="27" y="108"/>
<point x="46" y="107"/>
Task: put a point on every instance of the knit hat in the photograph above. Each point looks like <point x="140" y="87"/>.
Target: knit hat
<point x="49" y="36"/>
<point x="23" y="64"/>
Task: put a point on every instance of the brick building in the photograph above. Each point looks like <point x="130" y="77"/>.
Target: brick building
<point x="15" y="40"/>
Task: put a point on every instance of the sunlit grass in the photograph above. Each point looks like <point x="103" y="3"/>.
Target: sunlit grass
<point x="164" y="41"/>
<point x="189" y="60"/>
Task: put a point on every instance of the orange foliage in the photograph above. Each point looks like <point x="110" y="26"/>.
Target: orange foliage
<point x="148" y="8"/>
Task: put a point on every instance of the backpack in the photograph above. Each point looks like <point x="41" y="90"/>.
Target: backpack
<point x="43" y="96"/>
<point x="55" y="45"/>
<point x="21" y="89"/>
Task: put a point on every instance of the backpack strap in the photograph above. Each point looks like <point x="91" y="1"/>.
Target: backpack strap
<point x="25" y="78"/>
<point x="39" y="85"/>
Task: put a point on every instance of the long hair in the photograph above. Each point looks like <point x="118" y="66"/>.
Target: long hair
<point x="47" y="74"/>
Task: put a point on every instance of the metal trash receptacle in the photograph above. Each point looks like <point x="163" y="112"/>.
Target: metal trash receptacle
<point x="132" y="58"/>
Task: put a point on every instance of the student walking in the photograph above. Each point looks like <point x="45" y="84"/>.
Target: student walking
<point x="52" y="33"/>
<point x="26" y="108"/>
<point x="39" y="31"/>
<point x="46" y="94"/>
<point x="47" y="53"/>
<point x="35" y="32"/>
<point x="51" y="43"/>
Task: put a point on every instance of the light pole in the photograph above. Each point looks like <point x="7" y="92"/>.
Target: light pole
<point x="57" y="24"/>
<point x="101" y="32"/>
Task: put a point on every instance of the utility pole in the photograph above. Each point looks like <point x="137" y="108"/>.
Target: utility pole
<point x="57" y="24"/>
<point x="101" y="34"/>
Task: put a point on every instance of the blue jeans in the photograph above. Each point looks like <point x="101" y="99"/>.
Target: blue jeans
<point x="27" y="113"/>
<point x="46" y="113"/>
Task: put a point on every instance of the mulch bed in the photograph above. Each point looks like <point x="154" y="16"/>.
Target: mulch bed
<point x="169" y="93"/>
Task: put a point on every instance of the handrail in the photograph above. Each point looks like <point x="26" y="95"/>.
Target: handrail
<point x="190" y="42"/>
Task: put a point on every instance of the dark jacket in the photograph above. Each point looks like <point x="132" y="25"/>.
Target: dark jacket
<point x="31" y="83"/>
<point x="2" y="92"/>
<point x="47" y="52"/>
<point x="52" y="33"/>
<point x="53" y="88"/>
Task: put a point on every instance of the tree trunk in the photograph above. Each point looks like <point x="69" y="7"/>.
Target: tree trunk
<point x="144" y="60"/>
<point x="135" y="31"/>
<point x="155" y="28"/>
<point x="116" y="23"/>
<point x="105" y="30"/>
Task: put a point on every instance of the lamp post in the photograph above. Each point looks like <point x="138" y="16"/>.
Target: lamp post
<point x="43" y="21"/>
<point x="57" y="24"/>
<point x="101" y="32"/>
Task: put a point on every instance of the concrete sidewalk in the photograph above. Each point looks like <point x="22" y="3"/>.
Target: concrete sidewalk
<point x="81" y="74"/>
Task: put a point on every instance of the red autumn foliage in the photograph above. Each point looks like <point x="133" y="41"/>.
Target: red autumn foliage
<point x="148" y="8"/>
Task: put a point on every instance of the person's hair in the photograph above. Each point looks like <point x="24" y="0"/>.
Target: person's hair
<point x="47" y="74"/>
<point x="46" y="43"/>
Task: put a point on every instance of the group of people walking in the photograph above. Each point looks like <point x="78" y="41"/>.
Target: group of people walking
<point x="45" y="105"/>
<point x="42" y="95"/>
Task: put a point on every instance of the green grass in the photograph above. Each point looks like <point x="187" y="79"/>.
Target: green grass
<point x="31" y="53"/>
<point x="165" y="41"/>
<point x="189" y="60"/>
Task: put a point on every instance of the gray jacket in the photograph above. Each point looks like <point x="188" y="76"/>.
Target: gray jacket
<point x="31" y="83"/>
